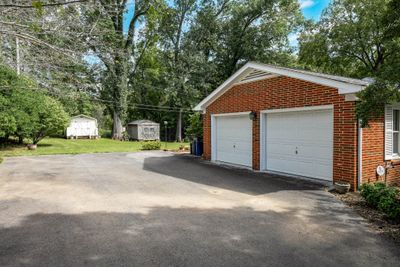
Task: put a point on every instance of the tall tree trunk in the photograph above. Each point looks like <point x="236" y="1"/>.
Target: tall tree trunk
<point x="117" y="126"/>
<point x="178" y="136"/>
<point x="120" y="92"/>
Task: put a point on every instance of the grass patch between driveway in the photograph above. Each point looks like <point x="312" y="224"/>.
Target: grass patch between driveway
<point x="51" y="146"/>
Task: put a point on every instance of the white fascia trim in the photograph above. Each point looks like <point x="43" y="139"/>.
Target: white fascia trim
<point x="310" y="108"/>
<point x="223" y="87"/>
<point x="344" y="88"/>
<point x="231" y="114"/>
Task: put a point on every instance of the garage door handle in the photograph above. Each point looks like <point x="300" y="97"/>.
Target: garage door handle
<point x="234" y="146"/>
<point x="296" y="152"/>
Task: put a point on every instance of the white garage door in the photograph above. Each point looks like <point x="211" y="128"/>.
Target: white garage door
<point x="300" y="143"/>
<point x="233" y="142"/>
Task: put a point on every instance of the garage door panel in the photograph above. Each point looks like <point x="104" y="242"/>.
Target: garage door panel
<point x="233" y="139"/>
<point x="301" y="168"/>
<point x="233" y="159"/>
<point x="310" y="134"/>
<point x="315" y="151"/>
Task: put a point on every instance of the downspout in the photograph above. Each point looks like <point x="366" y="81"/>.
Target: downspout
<point x="359" y="156"/>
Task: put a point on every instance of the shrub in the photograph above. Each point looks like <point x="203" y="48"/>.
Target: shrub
<point x="125" y="136"/>
<point x="384" y="198"/>
<point x="195" y="127"/>
<point x="151" y="145"/>
<point x="105" y="133"/>
<point x="47" y="116"/>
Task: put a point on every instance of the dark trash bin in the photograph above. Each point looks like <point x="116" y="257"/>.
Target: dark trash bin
<point x="198" y="148"/>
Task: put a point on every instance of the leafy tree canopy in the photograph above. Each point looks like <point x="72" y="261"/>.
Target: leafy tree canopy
<point x="25" y="111"/>
<point x="357" y="38"/>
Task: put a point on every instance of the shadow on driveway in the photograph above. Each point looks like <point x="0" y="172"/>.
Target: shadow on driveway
<point x="191" y="237"/>
<point x="195" y="170"/>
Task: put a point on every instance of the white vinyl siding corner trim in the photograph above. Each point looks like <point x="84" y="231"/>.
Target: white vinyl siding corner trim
<point x="391" y="133"/>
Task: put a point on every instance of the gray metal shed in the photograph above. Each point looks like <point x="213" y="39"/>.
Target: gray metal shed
<point x="143" y="130"/>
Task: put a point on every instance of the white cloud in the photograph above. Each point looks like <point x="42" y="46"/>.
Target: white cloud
<point x="306" y="3"/>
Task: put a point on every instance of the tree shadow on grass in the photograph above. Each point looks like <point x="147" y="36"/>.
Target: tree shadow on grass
<point x="192" y="237"/>
<point x="45" y="145"/>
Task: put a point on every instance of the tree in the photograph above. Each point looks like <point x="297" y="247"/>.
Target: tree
<point x="373" y="99"/>
<point x="46" y="32"/>
<point x="195" y="127"/>
<point x="25" y="110"/>
<point x="256" y="30"/>
<point x="116" y="47"/>
<point x="7" y="121"/>
<point x="173" y="31"/>
<point x="12" y="114"/>
<point x="358" y="38"/>
<point x="349" y="40"/>
<point x="392" y="19"/>
<point x="202" y="43"/>
<point x="144" y="58"/>
<point x="47" y="116"/>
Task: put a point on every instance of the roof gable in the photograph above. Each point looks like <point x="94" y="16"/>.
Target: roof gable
<point x="138" y="122"/>
<point x="256" y="71"/>
<point x="83" y="116"/>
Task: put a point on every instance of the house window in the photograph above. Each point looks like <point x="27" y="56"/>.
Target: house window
<point x="396" y="131"/>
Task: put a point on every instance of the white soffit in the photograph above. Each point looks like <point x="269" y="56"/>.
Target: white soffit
<point x="256" y="71"/>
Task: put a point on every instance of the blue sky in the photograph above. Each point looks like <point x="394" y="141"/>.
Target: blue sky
<point x="312" y="9"/>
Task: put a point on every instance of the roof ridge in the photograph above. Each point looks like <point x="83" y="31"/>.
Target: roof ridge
<point x="320" y="74"/>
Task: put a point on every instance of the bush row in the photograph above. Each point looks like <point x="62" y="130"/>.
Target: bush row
<point x="384" y="198"/>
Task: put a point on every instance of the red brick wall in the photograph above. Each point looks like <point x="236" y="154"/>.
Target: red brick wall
<point x="373" y="154"/>
<point x="285" y="92"/>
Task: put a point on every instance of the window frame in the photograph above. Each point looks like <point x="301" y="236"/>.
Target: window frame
<point x="397" y="154"/>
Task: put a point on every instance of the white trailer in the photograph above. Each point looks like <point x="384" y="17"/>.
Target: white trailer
<point x="82" y="126"/>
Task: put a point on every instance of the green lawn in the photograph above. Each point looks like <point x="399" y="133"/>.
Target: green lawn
<point x="49" y="146"/>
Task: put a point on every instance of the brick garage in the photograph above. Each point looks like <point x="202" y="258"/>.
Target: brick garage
<point x="261" y="88"/>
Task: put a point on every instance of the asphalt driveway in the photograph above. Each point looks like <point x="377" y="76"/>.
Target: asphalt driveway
<point x="156" y="208"/>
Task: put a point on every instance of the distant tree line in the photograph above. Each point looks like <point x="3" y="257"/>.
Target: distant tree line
<point x="120" y="60"/>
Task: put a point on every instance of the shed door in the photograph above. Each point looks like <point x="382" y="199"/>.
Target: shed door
<point x="300" y="143"/>
<point x="233" y="139"/>
<point x="83" y="128"/>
